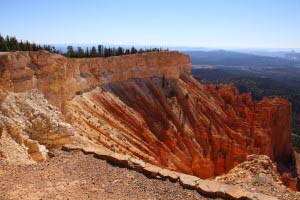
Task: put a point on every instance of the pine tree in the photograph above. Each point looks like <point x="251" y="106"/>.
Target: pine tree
<point x="133" y="50"/>
<point x="47" y="47"/>
<point x="3" y="46"/>
<point x="120" y="51"/>
<point x="87" y="53"/>
<point x="113" y="51"/>
<point x="34" y="47"/>
<point x="70" y="51"/>
<point x="14" y="44"/>
<point x="53" y="49"/>
<point x="141" y="50"/>
<point x="7" y="41"/>
<point x="94" y="52"/>
<point x="80" y="52"/>
<point x="127" y="51"/>
<point x="27" y="46"/>
<point x="21" y="46"/>
<point x="38" y="47"/>
<point x="106" y="52"/>
<point x="100" y="50"/>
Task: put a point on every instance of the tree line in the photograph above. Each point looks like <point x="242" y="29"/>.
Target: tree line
<point x="102" y="51"/>
<point x="10" y="43"/>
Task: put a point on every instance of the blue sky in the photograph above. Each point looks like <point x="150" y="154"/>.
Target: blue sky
<point x="207" y="23"/>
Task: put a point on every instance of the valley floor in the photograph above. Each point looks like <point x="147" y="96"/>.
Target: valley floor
<point x="73" y="175"/>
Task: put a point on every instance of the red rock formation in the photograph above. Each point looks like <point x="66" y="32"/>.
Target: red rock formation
<point x="189" y="127"/>
<point x="174" y="122"/>
<point x="59" y="78"/>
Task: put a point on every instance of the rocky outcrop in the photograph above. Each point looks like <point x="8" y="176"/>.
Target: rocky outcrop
<point x="259" y="175"/>
<point x="149" y="107"/>
<point x="31" y="122"/>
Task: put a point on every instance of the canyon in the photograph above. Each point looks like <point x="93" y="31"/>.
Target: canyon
<point x="147" y="106"/>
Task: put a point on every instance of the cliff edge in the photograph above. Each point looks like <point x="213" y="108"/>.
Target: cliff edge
<point x="150" y="107"/>
<point x="59" y="77"/>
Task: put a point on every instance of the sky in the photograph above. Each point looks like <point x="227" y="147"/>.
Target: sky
<point x="194" y="23"/>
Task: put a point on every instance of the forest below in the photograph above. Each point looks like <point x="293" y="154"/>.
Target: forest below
<point x="261" y="84"/>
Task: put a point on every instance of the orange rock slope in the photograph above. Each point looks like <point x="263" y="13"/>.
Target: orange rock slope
<point x="149" y="106"/>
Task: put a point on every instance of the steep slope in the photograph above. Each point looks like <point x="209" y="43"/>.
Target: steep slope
<point x="148" y="105"/>
<point x="184" y="126"/>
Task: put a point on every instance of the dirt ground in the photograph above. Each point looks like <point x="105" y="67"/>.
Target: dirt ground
<point x="73" y="175"/>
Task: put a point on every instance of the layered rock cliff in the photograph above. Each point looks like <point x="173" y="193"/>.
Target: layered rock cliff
<point x="149" y="106"/>
<point x="59" y="78"/>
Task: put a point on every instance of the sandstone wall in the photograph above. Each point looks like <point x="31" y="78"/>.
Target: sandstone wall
<point x="59" y="78"/>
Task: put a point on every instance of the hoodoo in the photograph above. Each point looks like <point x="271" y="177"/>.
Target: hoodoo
<point x="146" y="105"/>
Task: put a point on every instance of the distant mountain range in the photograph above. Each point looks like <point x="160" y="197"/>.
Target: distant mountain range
<point x="230" y="58"/>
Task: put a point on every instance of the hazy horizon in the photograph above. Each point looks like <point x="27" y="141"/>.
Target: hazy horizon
<point x="179" y="48"/>
<point x="249" y="24"/>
